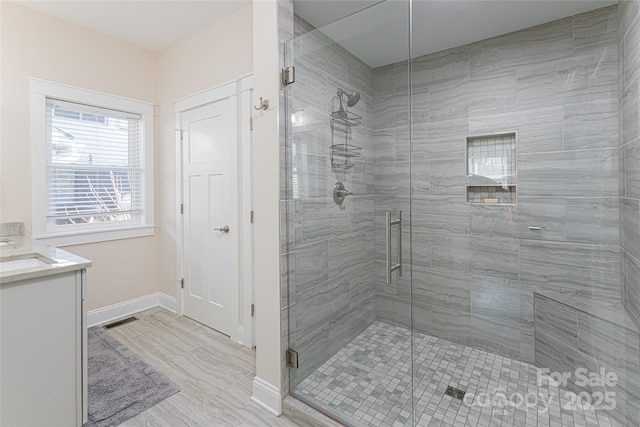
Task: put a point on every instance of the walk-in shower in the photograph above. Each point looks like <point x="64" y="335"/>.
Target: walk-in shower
<point x="461" y="213"/>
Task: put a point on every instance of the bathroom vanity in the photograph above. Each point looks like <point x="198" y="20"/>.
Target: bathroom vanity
<point x="43" y="335"/>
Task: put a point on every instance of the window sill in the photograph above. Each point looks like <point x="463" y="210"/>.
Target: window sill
<point x="95" y="236"/>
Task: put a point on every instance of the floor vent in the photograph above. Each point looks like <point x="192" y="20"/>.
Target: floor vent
<point x="456" y="393"/>
<point x="120" y="322"/>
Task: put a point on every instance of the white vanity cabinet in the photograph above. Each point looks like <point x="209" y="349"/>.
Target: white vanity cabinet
<point x="43" y="348"/>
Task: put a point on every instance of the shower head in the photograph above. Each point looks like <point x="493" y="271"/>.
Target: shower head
<point x="352" y="98"/>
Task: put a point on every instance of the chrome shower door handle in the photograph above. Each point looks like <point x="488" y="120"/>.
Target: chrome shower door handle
<point x="398" y="266"/>
<point x="224" y="229"/>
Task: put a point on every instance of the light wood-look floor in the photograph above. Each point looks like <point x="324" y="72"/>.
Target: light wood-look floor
<point x="214" y="374"/>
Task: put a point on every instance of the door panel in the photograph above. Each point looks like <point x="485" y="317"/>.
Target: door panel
<point x="209" y="174"/>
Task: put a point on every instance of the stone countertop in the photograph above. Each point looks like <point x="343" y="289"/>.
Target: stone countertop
<point x="56" y="260"/>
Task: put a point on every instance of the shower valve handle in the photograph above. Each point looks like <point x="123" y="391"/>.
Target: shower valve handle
<point x="344" y="193"/>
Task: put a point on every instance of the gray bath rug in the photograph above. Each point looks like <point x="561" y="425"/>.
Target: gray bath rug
<point x="120" y="384"/>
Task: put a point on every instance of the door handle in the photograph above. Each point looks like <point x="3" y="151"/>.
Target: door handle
<point x="224" y="229"/>
<point x="391" y="268"/>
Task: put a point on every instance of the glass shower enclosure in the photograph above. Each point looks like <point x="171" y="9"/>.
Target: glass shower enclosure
<point x="457" y="242"/>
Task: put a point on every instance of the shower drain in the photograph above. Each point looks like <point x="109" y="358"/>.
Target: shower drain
<point x="456" y="393"/>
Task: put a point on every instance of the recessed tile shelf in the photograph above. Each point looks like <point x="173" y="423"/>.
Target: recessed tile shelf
<point x="491" y="169"/>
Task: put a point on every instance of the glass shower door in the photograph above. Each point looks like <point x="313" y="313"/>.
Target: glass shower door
<point x="347" y="204"/>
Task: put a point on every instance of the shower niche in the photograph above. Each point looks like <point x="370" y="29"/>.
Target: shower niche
<point x="491" y="169"/>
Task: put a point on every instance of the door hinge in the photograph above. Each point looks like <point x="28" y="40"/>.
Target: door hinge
<point x="292" y="359"/>
<point x="253" y="310"/>
<point x="251" y="217"/>
<point x="179" y="130"/>
<point x="182" y="283"/>
<point x="250" y="123"/>
<point x="288" y="75"/>
<point x="181" y="208"/>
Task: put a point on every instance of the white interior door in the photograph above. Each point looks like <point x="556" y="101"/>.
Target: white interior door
<point x="209" y="156"/>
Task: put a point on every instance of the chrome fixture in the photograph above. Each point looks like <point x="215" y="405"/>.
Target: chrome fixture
<point x="352" y="99"/>
<point x="398" y="266"/>
<point x="340" y="193"/>
<point x="224" y="229"/>
<point x="264" y="104"/>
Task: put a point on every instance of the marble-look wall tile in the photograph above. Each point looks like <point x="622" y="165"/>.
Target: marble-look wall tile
<point x="594" y="268"/>
<point x="591" y="125"/>
<point x="631" y="226"/>
<point x="324" y="301"/>
<point x="496" y="335"/>
<point x="494" y="256"/>
<point x="444" y="288"/>
<point x="393" y="310"/>
<point x="590" y="74"/>
<point x="569" y="173"/>
<point x="548" y="213"/>
<point x="383" y="149"/>
<point x="556" y="320"/>
<point x="440" y="214"/>
<point x="312" y="265"/>
<point x="438" y="67"/>
<point x="421" y="178"/>
<point x="392" y="110"/>
<point x="347" y="254"/>
<point x="598" y="67"/>
<point x="392" y="178"/>
<point x="449" y="101"/>
<point x="495" y="297"/>
<point x="631" y="174"/>
<point x="593" y="220"/>
<point x="535" y="45"/>
<point x="493" y="94"/>
<point x="537" y="130"/>
<point x="631" y="52"/>
<point x="610" y="343"/>
<point x="448" y="177"/>
<point x="632" y="288"/>
<point x="559" y="356"/>
<point x="450" y="251"/>
<point x="440" y="140"/>
<point x="451" y="324"/>
<point x="597" y="26"/>
<point x="630" y="113"/>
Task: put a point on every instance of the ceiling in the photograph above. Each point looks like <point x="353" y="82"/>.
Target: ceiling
<point x="151" y="24"/>
<point x="377" y="35"/>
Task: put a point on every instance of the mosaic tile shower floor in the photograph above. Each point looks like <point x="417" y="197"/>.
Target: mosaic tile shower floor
<point x="368" y="383"/>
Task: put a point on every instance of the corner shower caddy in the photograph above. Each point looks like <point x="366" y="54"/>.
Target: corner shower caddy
<point x="342" y="123"/>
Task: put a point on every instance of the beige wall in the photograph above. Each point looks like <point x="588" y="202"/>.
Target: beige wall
<point x="37" y="45"/>
<point x="218" y="54"/>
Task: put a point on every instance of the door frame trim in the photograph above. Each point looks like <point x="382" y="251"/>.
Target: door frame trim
<point x="181" y="105"/>
<point x="246" y="117"/>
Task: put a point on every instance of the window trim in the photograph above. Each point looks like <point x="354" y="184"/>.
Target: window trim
<point x="40" y="90"/>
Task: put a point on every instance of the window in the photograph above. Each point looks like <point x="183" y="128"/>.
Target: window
<point x="92" y="163"/>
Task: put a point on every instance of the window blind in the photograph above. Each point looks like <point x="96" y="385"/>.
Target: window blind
<point x="95" y="167"/>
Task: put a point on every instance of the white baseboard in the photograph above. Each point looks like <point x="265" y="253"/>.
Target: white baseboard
<point x="267" y="396"/>
<point x="132" y="306"/>
<point x="238" y="336"/>
<point x="167" y="302"/>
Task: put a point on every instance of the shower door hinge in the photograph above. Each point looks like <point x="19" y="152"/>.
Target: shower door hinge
<point x="182" y="283"/>
<point x="181" y="208"/>
<point x="253" y="310"/>
<point x="251" y="217"/>
<point x="292" y="359"/>
<point x="288" y="75"/>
